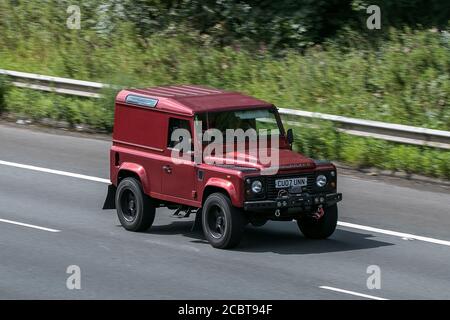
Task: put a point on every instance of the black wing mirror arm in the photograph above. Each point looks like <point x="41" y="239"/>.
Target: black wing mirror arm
<point x="290" y="136"/>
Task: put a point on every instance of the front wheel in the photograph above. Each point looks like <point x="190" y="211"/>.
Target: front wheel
<point x="319" y="228"/>
<point x="223" y="224"/>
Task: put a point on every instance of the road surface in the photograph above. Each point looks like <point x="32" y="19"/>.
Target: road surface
<point x="50" y="220"/>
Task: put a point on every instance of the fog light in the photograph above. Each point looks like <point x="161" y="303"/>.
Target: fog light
<point x="322" y="199"/>
<point x="256" y="186"/>
<point x="321" y="181"/>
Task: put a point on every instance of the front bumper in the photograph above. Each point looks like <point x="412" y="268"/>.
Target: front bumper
<point x="304" y="201"/>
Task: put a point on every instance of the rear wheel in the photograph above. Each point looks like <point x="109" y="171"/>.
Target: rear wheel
<point x="223" y="224"/>
<point x="319" y="228"/>
<point x="134" y="208"/>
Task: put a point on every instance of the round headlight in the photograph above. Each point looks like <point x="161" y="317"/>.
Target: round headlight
<point x="256" y="186"/>
<point x="321" y="181"/>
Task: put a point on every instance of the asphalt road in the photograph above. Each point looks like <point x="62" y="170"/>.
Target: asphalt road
<point x="172" y="262"/>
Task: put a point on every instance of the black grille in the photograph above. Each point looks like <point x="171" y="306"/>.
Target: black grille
<point x="272" y="192"/>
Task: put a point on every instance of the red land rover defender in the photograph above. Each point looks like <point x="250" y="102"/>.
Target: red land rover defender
<point x="225" y="195"/>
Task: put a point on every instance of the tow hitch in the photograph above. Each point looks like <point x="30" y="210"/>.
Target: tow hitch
<point x="319" y="213"/>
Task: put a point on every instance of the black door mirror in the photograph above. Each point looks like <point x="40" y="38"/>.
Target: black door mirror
<point x="290" y="136"/>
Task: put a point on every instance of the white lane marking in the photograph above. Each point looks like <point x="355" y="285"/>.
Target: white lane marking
<point x="340" y="223"/>
<point x="352" y="293"/>
<point x="394" y="233"/>
<point x="57" y="172"/>
<point x="29" y="225"/>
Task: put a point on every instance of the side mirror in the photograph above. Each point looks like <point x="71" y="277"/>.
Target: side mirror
<point x="290" y="136"/>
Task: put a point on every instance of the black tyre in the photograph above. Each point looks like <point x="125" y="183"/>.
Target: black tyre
<point x="223" y="224"/>
<point x="319" y="228"/>
<point x="134" y="208"/>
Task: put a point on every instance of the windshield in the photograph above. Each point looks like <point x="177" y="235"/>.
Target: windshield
<point x="257" y="119"/>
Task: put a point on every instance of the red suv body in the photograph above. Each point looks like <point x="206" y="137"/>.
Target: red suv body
<point x="225" y="189"/>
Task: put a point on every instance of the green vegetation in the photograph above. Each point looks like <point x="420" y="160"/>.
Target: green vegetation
<point x="407" y="80"/>
<point x="37" y="106"/>
<point x="297" y="55"/>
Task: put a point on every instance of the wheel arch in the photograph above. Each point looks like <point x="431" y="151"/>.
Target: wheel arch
<point x="223" y="186"/>
<point x="136" y="171"/>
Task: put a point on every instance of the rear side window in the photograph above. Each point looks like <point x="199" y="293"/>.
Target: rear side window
<point x="175" y="123"/>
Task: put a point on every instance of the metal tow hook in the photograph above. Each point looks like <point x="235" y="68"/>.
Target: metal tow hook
<point x="319" y="214"/>
<point x="277" y="213"/>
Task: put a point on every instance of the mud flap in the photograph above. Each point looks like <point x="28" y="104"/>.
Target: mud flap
<point x="197" y="223"/>
<point x="110" y="201"/>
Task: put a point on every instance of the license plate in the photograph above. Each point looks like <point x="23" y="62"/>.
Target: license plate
<point x="291" y="182"/>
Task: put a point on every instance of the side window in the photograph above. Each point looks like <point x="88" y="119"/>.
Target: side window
<point x="174" y="124"/>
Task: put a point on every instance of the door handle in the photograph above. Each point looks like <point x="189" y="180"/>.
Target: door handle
<point x="167" y="169"/>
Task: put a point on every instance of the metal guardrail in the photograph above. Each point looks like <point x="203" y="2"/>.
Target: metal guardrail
<point x="380" y="130"/>
<point x="54" y="84"/>
<point x="359" y="127"/>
